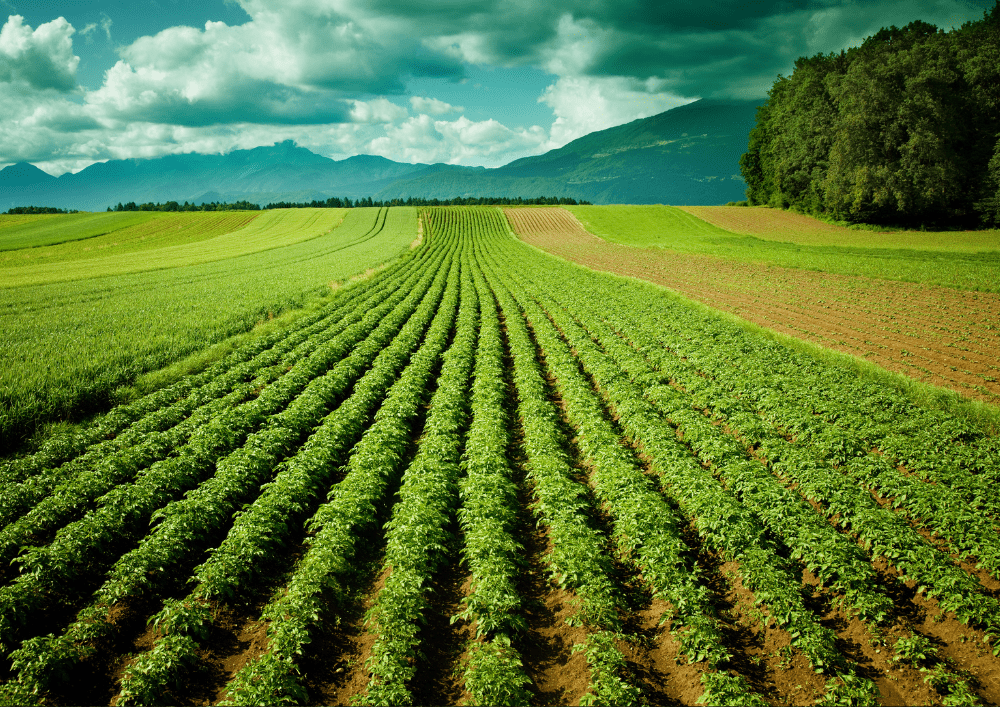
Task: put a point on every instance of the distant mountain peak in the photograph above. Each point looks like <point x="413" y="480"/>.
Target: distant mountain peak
<point x="23" y="174"/>
<point x="688" y="155"/>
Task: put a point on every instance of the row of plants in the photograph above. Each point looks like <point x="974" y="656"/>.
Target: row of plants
<point x="418" y="536"/>
<point x="30" y="478"/>
<point x="61" y="447"/>
<point x="488" y="515"/>
<point x="831" y="405"/>
<point x="719" y="518"/>
<point x="264" y="525"/>
<point x="940" y="508"/>
<point x="835" y="559"/>
<point x="646" y="529"/>
<point x="579" y="560"/>
<point x="883" y="533"/>
<point x="348" y="518"/>
<point x="52" y="571"/>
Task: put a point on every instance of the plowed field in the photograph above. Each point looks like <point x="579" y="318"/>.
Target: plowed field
<point x="938" y="335"/>
<point x="487" y="476"/>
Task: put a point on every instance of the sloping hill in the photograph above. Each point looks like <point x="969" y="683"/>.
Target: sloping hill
<point x="688" y="155"/>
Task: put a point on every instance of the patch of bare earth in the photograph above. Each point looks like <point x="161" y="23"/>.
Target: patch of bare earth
<point x="558" y="676"/>
<point x="936" y="335"/>
<point x="337" y="660"/>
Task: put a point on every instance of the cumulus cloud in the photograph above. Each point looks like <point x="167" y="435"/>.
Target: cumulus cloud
<point x="41" y="58"/>
<point x="583" y="105"/>
<point x="380" y="110"/>
<point x="433" y="106"/>
<point x="333" y="74"/>
<point x="461" y="141"/>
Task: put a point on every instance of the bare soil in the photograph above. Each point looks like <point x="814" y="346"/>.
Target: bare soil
<point x="946" y="337"/>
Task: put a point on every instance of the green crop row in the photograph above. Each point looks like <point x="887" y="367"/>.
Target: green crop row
<point x="579" y="559"/>
<point x="78" y="545"/>
<point x="342" y="522"/>
<point x="418" y="535"/>
<point x="882" y="532"/>
<point x="68" y="346"/>
<point x="494" y="673"/>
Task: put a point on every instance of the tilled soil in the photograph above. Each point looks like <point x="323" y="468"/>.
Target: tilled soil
<point x="946" y="337"/>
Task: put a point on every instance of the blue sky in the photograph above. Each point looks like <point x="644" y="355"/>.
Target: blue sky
<point x="475" y="82"/>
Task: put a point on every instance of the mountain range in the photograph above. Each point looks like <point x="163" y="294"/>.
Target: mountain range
<point x="687" y="155"/>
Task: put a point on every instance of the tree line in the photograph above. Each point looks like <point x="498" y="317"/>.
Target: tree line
<point x="345" y="203"/>
<point x="902" y="130"/>
<point x="38" y="210"/>
<point x="174" y="206"/>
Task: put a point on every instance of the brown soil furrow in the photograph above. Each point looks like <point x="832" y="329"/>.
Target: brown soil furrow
<point x="337" y="660"/>
<point x="921" y="331"/>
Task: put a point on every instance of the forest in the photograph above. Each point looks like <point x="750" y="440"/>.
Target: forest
<point x="902" y="130"/>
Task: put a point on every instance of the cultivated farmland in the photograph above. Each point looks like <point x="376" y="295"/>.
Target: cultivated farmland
<point x="489" y="475"/>
<point x="92" y="325"/>
<point x="939" y="335"/>
<point x="968" y="261"/>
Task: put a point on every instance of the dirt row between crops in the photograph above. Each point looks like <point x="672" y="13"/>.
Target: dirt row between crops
<point x="946" y="337"/>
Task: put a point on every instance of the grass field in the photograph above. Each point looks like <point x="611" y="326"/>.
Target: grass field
<point x="68" y="344"/>
<point x="34" y="230"/>
<point x="273" y="229"/>
<point x="167" y="230"/>
<point x="972" y="263"/>
<point x="788" y="226"/>
<point x="485" y="475"/>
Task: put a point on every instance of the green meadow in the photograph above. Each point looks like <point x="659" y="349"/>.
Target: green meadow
<point x="77" y="330"/>
<point x="905" y="259"/>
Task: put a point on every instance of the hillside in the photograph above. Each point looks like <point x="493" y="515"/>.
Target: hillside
<point x="688" y="155"/>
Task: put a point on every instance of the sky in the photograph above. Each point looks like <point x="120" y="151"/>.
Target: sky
<point x="471" y="82"/>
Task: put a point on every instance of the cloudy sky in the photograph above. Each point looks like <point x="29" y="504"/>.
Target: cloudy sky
<point x="474" y="82"/>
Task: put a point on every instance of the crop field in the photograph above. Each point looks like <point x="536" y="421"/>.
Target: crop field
<point x="169" y="229"/>
<point x="230" y="238"/>
<point x="938" y="335"/>
<point x="68" y="345"/>
<point x="788" y="226"/>
<point x="485" y="475"/>
<point x="35" y="230"/>
<point x="968" y="261"/>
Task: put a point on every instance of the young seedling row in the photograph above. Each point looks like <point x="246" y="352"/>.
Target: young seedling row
<point x="485" y="475"/>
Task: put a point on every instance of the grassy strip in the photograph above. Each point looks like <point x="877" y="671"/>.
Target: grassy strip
<point x="982" y="416"/>
<point x="671" y="228"/>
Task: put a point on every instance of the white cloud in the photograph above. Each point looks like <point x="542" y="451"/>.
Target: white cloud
<point x="461" y="141"/>
<point x="433" y="106"/>
<point x="380" y="110"/>
<point x="41" y="58"/>
<point x="583" y="105"/>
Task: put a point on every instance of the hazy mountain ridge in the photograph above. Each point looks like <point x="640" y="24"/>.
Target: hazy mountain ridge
<point x="688" y="155"/>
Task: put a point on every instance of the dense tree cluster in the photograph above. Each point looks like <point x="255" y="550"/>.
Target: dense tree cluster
<point x="174" y="206"/>
<point x="38" y="210"/>
<point x="904" y="129"/>
<point x="338" y="203"/>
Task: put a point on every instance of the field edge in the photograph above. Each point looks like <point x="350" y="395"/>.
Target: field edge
<point x="981" y="415"/>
